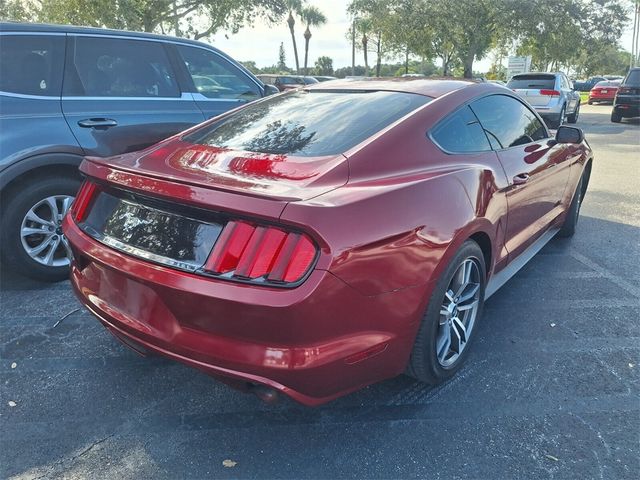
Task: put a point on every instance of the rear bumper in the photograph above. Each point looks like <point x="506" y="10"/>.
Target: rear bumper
<point x="599" y="97"/>
<point x="627" y="109"/>
<point x="313" y="343"/>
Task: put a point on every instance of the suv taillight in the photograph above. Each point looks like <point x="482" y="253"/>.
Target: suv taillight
<point x="624" y="90"/>
<point x="245" y="251"/>
<point x="80" y="207"/>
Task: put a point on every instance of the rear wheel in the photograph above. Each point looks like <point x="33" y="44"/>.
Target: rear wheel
<point x="30" y="235"/>
<point x="573" y="118"/>
<point x="450" y="321"/>
<point x="616" y="117"/>
<point x="556" y="123"/>
<point x="569" y="226"/>
<point x="590" y="102"/>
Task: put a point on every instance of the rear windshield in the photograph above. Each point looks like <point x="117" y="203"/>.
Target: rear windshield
<point x="308" y="123"/>
<point x="633" y="78"/>
<point x="533" y="82"/>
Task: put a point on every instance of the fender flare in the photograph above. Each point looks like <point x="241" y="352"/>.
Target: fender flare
<point x="25" y="165"/>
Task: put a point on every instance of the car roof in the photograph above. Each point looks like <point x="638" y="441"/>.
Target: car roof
<point x="52" y="28"/>
<point x="429" y="87"/>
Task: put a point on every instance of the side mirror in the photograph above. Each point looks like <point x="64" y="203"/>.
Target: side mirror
<point x="270" y="90"/>
<point x="566" y="134"/>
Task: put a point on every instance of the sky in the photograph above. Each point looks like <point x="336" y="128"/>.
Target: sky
<point x="261" y="42"/>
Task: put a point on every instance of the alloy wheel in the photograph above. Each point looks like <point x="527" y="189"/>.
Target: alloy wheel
<point x="41" y="231"/>
<point x="458" y="312"/>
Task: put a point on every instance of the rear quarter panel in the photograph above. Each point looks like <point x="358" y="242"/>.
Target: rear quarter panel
<point x="407" y="207"/>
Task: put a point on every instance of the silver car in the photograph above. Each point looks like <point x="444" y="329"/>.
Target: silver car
<point x="550" y="94"/>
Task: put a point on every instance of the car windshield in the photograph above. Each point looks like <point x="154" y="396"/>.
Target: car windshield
<point x="308" y="123"/>
<point x="633" y="78"/>
<point x="524" y="82"/>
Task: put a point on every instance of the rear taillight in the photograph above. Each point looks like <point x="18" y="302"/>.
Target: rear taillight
<point x="624" y="90"/>
<point x="551" y="93"/>
<point x="82" y="202"/>
<point x="245" y="251"/>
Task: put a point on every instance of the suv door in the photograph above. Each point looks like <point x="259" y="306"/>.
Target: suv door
<point x="537" y="170"/>
<point x="218" y="84"/>
<point x="122" y="94"/>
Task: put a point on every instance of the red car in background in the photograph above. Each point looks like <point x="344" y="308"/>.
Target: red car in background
<point x="323" y="239"/>
<point x="604" y="91"/>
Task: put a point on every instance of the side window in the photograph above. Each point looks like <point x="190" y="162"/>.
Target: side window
<point x="31" y="64"/>
<point x="215" y="77"/>
<point x="508" y="121"/>
<point x="460" y="133"/>
<point x="111" y="67"/>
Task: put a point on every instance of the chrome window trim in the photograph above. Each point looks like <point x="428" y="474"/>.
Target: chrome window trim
<point x="27" y="96"/>
<point x="4" y="32"/>
<point x="184" y="96"/>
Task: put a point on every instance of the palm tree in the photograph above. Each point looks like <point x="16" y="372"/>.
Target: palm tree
<point x="312" y="16"/>
<point x="294" y="7"/>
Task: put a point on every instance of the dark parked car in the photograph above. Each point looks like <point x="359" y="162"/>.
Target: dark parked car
<point x="627" y="101"/>
<point x="285" y="251"/>
<point x="587" y="85"/>
<point x="67" y="92"/>
<point x="283" y="82"/>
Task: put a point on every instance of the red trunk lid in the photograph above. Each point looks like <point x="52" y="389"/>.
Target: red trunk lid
<point x="279" y="177"/>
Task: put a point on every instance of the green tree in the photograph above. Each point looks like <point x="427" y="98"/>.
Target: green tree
<point x="312" y="17"/>
<point x="324" y="66"/>
<point x="177" y="16"/>
<point x="282" y="59"/>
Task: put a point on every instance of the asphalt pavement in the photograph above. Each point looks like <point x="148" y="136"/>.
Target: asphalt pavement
<point x="550" y="390"/>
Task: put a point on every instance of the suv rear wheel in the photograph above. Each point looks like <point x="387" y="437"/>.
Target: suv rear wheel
<point x="616" y="117"/>
<point x="30" y="235"/>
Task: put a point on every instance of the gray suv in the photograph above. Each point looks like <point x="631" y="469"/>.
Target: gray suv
<point x="551" y="94"/>
<point x="67" y="92"/>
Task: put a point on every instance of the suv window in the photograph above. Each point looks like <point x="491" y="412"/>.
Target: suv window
<point x="308" y="123"/>
<point x="532" y="81"/>
<point x="461" y="132"/>
<point x="633" y="78"/>
<point x="31" y="64"/>
<point x="508" y="121"/>
<point x="215" y="77"/>
<point x="111" y="67"/>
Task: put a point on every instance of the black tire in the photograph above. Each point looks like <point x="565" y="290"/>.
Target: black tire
<point x="12" y="252"/>
<point x="616" y="117"/>
<point x="590" y="102"/>
<point x="423" y="363"/>
<point x="555" y="124"/>
<point x="573" y="118"/>
<point x="571" y="221"/>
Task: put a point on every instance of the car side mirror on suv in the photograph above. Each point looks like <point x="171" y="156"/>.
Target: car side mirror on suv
<point x="566" y="134"/>
<point x="270" y="90"/>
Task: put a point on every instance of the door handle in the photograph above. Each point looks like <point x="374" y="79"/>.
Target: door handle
<point x="521" y="179"/>
<point x="97" y="123"/>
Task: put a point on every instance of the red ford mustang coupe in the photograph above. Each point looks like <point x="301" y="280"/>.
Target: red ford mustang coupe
<point x="323" y="239"/>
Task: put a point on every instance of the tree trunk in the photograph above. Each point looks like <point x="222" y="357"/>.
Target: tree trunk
<point x="291" y="23"/>
<point x="379" y="52"/>
<point x="468" y="64"/>
<point x="307" y="37"/>
<point x="365" y="45"/>
<point x="406" y="59"/>
<point x="353" y="48"/>
<point x="446" y="59"/>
